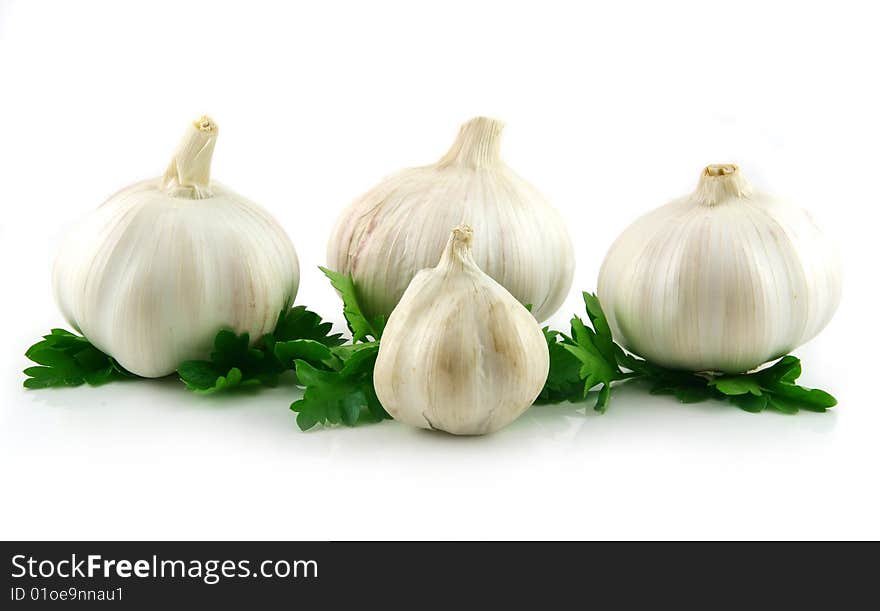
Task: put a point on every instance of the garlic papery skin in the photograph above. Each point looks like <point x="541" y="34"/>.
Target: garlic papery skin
<point x="401" y="227"/>
<point x="459" y="353"/>
<point x="152" y="274"/>
<point x="722" y="280"/>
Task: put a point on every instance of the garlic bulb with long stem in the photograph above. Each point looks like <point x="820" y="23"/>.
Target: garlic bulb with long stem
<point x="459" y="353"/>
<point x="401" y="227"/>
<point x="152" y="274"/>
<point x="724" y="279"/>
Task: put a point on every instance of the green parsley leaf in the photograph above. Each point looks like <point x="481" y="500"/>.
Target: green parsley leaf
<point x="564" y="382"/>
<point x="304" y="349"/>
<point x="67" y="359"/>
<point x="360" y="326"/>
<point x="786" y="370"/>
<point x="198" y="375"/>
<point x="736" y="385"/>
<point x="687" y="388"/>
<point x="234" y="363"/>
<point x="595" y="360"/>
<point x="343" y="395"/>
<point x="750" y="402"/>
<point x="602" y="337"/>
<point x="772" y="387"/>
<point x="595" y="349"/>
<point x="201" y="377"/>
<point x="300" y="323"/>
<point x="806" y="398"/>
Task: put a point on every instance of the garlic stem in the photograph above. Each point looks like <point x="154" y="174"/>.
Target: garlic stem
<point x="457" y="255"/>
<point x="478" y="144"/>
<point x="720" y="182"/>
<point x="189" y="173"/>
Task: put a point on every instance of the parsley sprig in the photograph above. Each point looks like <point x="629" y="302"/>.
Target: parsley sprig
<point x="67" y="359"/>
<point x="360" y="326"/>
<point x="583" y="360"/>
<point x="340" y="390"/>
<point x="299" y="333"/>
<point x="599" y="361"/>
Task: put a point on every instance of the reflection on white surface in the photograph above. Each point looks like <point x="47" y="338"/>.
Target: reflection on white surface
<point x="147" y="411"/>
<point x="148" y="459"/>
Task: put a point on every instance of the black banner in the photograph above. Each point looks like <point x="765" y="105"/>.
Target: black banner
<point x="133" y="575"/>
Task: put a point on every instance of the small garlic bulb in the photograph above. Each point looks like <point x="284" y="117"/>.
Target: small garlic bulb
<point x="459" y="353"/>
<point x="401" y="227"/>
<point x="152" y="274"/>
<point x="724" y="279"/>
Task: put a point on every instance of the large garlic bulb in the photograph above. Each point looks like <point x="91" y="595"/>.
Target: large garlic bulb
<point x="152" y="274"/>
<point x="401" y="226"/>
<point x="724" y="279"/>
<point x="459" y="353"/>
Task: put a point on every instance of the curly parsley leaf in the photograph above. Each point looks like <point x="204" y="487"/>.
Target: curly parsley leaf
<point x="360" y="326"/>
<point x="66" y="359"/>
<point x="342" y="394"/>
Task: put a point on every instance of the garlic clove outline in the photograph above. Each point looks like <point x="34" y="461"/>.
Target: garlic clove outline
<point x="459" y="354"/>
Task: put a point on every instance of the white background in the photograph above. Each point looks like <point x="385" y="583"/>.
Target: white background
<point x="611" y="109"/>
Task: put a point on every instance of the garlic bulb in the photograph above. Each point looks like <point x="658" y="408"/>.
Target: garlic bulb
<point x="401" y="226"/>
<point x="459" y="353"/>
<point x="152" y="274"/>
<point x="724" y="279"/>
